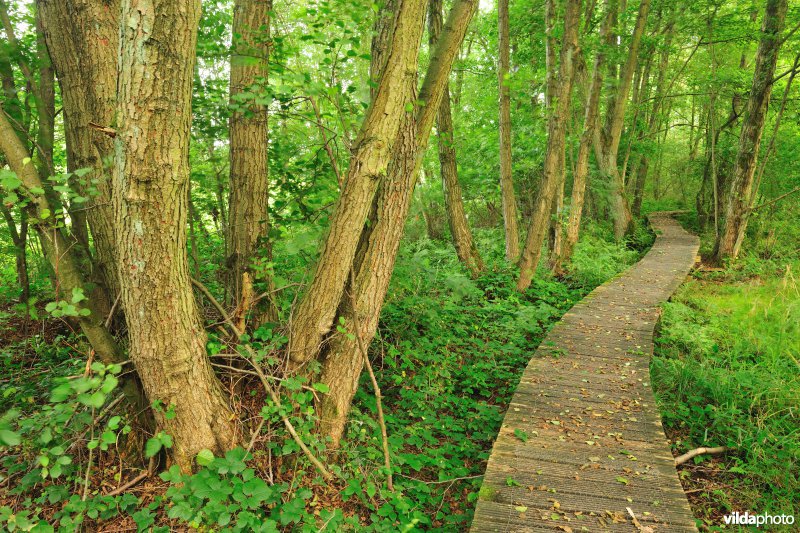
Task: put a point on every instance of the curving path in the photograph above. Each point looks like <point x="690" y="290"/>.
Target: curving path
<point x="582" y="447"/>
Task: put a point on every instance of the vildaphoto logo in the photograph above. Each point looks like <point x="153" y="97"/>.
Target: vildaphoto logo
<point x="758" y="520"/>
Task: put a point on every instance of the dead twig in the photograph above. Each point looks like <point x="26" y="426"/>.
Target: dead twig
<point x="264" y="381"/>
<point x="700" y="451"/>
<point x="378" y="397"/>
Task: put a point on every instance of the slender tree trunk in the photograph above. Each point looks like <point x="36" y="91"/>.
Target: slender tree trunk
<point x="612" y="130"/>
<point x="556" y="139"/>
<point x="454" y="203"/>
<point x="314" y="315"/>
<point x="587" y="138"/>
<point x="373" y="269"/>
<point x="19" y="238"/>
<point x="506" y="177"/>
<point x="738" y="202"/>
<point x="58" y="252"/>
<point x="151" y="179"/>
<point x="248" y="246"/>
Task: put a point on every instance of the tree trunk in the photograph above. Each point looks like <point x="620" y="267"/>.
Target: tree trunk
<point x="612" y="130"/>
<point x="150" y="185"/>
<point x="315" y="313"/>
<point x="82" y="39"/>
<point x="248" y="246"/>
<point x="453" y="199"/>
<point x="587" y="138"/>
<point x="556" y="139"/>
<point x="510" y="222"/>
<point x="343" y="361"/>
<point x="738" y="202"/>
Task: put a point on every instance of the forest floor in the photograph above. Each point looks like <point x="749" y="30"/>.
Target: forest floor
<point x="726" y="374"/>
<point x="448" y="356"/>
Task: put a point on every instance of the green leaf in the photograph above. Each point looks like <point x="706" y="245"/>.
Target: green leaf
<point x="9" y="438"/>
<point x="152" y="447"/>
<point x="205" y="457"/>
<point x="321" y="387"/>
<point x="521" y="435"/>
<point x="622" y="480"/>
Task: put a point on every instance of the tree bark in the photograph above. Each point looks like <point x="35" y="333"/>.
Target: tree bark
<point x="587" y="137"/>
<point x="738" y="203"/>
<point x="315" y="313"/>
<point x="612" y="130"/>
<point x="556" y="139"/>
<point x="343" y="361"/>
<point x="456" y="216"/>
<point x="248" y="246"/>
<point x="150" y="185"/>
<point x="508" y="196"/>
<point x="82" y="39"/>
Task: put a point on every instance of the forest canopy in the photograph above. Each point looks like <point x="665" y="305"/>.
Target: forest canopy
<point x="278" y="265"/>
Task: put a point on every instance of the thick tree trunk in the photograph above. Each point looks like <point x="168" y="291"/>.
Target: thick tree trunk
<point x="150" y="184"/>
<point x="314" y="315"/>
<point x="738" y="203"/>
<point x="556" y="139"/>
<point x="612" y="130"/>
<point x="248" y="229"/>
<point x="373" y="270"/>
<point x="58" y="252"/>
<point x="508" y="196"/>
<point x="82" y="40"/>
<point x="584" y="148"/>
<point x="454" y="203"/>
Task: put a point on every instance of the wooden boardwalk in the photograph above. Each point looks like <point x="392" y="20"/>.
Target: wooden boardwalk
<point x="582" y="441"/>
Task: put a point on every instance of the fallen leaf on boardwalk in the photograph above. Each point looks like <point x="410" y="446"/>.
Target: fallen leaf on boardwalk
<point x="521" y="508"/>
<point x="565" y="528"/>
<point x="622" y="480"/>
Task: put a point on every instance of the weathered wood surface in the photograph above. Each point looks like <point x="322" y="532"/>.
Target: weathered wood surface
<point x="590" y="443"/>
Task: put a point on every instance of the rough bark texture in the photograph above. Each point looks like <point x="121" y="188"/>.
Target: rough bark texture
<point x="59" y="254"/>
<point x="248" y="228"/>
<point x="454" y="203"/>
<point x="343" y="361"/>
<point x="612" y="130"/>
<point x="150" y="185"/>
<point x="508" y="196"/>
<point x="82" y="39"/>
<point x="587" y="137"/>
<point x="739" y="198"/>
<point x="316" y="311"/>
<point x="554" y="157"/>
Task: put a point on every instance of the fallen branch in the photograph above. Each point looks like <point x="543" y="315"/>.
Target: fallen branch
<point x="264" y="381"/>
<point x="700" y="451"/>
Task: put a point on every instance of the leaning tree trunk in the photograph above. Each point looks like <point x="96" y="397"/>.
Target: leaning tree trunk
<point x="456" y="217"/>
<point x="58" y="252"/>
<point x="248" y="228"/>
<point x="587" y="138"/>
<point x="151" y="179"/>
<point x="738" y="203"/>
<point x="361" y="306"/>
<point x="556" y="140"/>
<point x="82" y="39"/>
<point x="612" y="130"/>
<point x="314" y="315"/>
<point x="506" y="177"/>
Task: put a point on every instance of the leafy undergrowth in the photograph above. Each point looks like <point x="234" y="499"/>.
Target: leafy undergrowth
<point x="448" y="356"/>
<point x="727" y="373"/>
